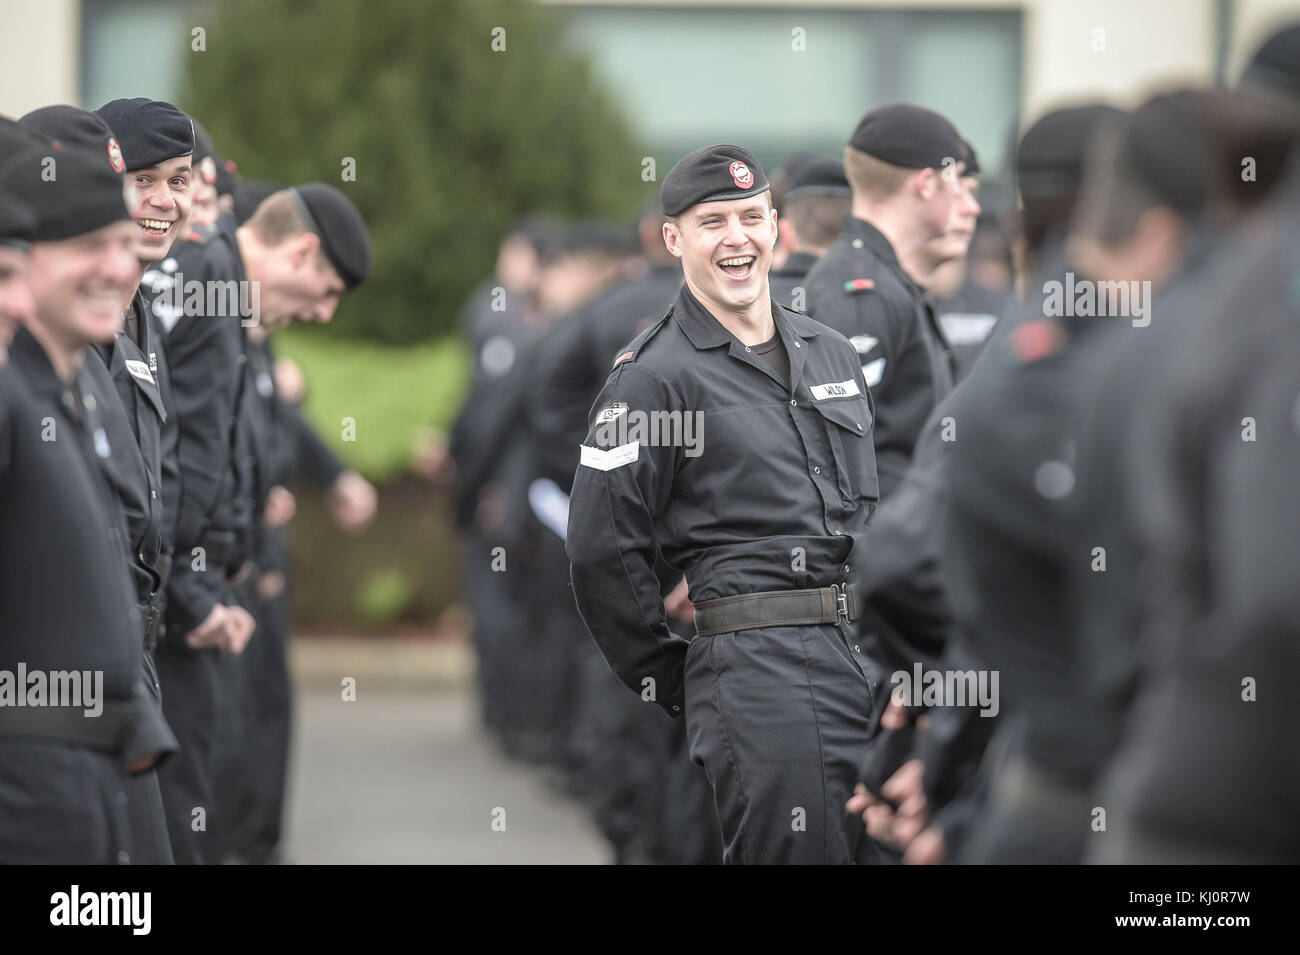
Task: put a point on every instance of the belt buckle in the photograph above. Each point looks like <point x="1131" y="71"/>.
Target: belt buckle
<point x="841" y="596"/>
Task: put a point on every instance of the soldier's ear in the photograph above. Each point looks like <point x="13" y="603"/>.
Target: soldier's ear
<point x="303" y="249"/>
<point x="672" y="238"/>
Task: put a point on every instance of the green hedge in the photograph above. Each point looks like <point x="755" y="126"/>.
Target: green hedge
<point x="451" y="139"/>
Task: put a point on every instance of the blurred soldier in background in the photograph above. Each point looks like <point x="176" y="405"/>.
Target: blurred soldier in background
<point x="64" y="767"/>
<point x="131" y="384"/>
<point x="813" y="208"/>
<point x="906" y="167"/>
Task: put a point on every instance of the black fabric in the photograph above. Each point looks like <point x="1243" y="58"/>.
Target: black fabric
<point x="788" y="284"/>
<point x="83" y="194"/>
<point x="777" y="469"/>
<point x="859" y="289"/>
<point x="71" y="127"/>
<point x="1050" y="156"/>
<point x="773" y="352"/>
<point x="903" y="134"/>
<point x="711" y="174"/>
<point x="149" y="131"/>
<point x="818" y="176"/>
<point x="343" y="234"/>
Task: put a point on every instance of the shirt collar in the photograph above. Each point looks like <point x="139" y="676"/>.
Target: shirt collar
<point x="705" y="331"/>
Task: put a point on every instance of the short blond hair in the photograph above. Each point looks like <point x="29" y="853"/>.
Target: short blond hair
<point x="278" y="219"/>
<point x="873" y="178"/>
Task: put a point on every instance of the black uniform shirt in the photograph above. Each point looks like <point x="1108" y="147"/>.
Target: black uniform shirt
<point x="859" y="289"/>
<point x="745" y="482"/>
<point x="127" y="380"/>
<point x="206" y="352"/>
<point x="65" y="595"/>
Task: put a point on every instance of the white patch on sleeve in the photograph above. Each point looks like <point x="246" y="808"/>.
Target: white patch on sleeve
<point x="139" y="370"/>
<point x="838" y="389"/>
<point x="613" y="458"/>
<point x="873" y="372"/>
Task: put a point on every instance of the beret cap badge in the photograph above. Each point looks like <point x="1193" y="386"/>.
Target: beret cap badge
<point x="741" y="175"/>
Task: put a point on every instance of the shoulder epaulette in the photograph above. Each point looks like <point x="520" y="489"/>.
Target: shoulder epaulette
<point x="642" y="337"/>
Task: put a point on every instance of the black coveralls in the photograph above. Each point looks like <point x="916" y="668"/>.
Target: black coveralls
<point x="213" y="513"/>
<point x="770" y="495"/>
<point x="67" y="604"/>
<point x="859" y="289"/>
<point x="129" y="381"/>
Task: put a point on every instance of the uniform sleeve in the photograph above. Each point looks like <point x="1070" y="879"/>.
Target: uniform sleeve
<point x="203" y="352"/>
<point x="562" y="390"/>
<point x="620" y="491"/>
<point x="311" y="456"/>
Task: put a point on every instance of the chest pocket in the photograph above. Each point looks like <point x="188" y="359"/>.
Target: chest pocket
<point x="848" y="430"/>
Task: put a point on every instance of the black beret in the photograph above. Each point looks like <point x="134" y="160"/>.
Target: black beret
<point x="82" y="195"/>
<point x="818" y="176"/>
<point x="597" y="235"/>
<point x="971" y="159"/>
<point x="72" y="126"/>
<point x="1050" y="156"/>
<point x="1275" y="67"/>
<point x="711" y="174"/>
<point x="344" y="237"/>
<point x="249" y="194"/>
<point x="17" y="220"/>
<point x="1166" y="147"/>
<point x="150" y="131"/>
<point x="227" y="180"/>
<point x="913" y="137"/>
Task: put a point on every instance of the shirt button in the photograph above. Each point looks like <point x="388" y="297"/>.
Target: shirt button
<point x="857" y="243"/>
<point x="90" y="402"/>
<point x="817" y="470"/>
<point x="859" y="427"/>
<point x="798" y="344"/>
<point x="243" y="358"/>
<point x="793" y="403"/>
<point x="747" y="348"/>
<point x="123" y="858"/>
<point x="676" y="709"/>
<point x="846" y="569"/>
<point x="856" y="648"/>
<point x="141" y="556"/>
<point x="153" y="494"/>
<point x="839" y="533"/>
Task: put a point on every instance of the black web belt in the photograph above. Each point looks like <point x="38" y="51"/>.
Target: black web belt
<point x="108" y="731"/>
<point x="777" y="608"/>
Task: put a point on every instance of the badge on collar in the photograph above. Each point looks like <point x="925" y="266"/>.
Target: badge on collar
<point x="153" y="362"/>
<point x="139" y="369"/>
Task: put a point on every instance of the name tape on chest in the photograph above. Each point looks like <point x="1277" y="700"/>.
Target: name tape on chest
<point x="838" y="389"/>
<point x="139" y="369"/>
<point x="613" y="458"/>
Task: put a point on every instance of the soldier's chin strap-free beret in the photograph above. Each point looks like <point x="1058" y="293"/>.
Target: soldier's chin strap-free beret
<point x="149" y="131"/>
<point x="818" y="176"/>
<point x="712" y="174"/>
<point x="17" y="220"/>
<point x="903" y="134"/>
<point x="344" y="238"/>
<point x="1050" y="155"/>
<point x="72" y="127"/>
<point x="82" y="195"/>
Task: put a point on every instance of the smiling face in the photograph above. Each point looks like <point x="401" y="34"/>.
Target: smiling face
<point x="159" y="200"/>
<point x="296" y="280"/>
<point x="79" y="284"/>
<point x="726" y="249"/>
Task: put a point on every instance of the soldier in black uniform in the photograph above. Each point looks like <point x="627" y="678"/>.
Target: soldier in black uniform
<point x="905" y="165"/>
<point x="130" y="382"/>
<point x="301" y="251"/>
<point x="734" y="435"/>
<point x="812" y="211"/>
<point x="63" y="767"/>
<point x="940" y="587"/>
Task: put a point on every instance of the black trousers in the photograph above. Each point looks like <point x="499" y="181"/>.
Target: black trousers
<point x="62" y="804"/>
<point x="189" y="681"/>
<point x="779" y="718"/>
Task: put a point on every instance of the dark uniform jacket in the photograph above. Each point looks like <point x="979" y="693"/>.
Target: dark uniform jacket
<point x="859" y="289"/>
<point x="792" y="275"/>
<point x="66" y="595"/>
<point x="208" y="377"/>
<point x="768" y="493"/>
<point x="572" y="363"/>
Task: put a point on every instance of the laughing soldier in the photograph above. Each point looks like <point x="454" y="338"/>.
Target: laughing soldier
<point x="760" y="512"/>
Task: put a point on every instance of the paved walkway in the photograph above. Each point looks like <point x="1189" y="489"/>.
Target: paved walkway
<point x="405" y="775"/>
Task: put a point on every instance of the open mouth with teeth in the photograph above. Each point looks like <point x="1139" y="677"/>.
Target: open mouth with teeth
<point x="738" y="267"/>
<point x="157" y="228"/>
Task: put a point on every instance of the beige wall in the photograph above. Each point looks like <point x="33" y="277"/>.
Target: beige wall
<point x="40" y="49"/>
